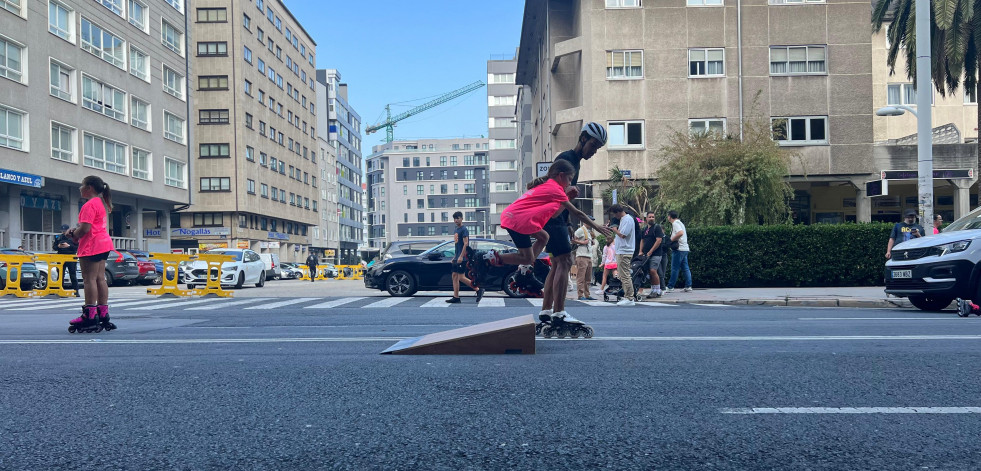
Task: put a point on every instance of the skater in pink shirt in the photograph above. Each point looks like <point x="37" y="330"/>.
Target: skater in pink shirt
<point x="94" y="246"/>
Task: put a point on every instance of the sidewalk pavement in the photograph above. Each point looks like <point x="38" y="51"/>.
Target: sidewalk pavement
<point x="853" y="297"/>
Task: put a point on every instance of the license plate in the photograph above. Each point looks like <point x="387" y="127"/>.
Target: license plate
<point x="899" y="274"/>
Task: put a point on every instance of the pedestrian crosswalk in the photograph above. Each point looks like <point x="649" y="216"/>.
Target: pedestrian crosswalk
<point x="165" y="305"/>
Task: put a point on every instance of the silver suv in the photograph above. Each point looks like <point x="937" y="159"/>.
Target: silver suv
<point x="932" y="271"/>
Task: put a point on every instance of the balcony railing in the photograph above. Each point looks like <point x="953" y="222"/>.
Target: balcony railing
<point x="128" y="243"/>
<point x="39" y="241"/>
<point x="3" y="238"/>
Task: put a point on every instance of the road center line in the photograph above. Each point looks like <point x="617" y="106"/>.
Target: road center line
<point x="880" y="319"/>
<point x="853" y="410"/>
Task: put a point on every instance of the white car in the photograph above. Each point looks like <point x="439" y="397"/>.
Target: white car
<point x="246" y="268"/>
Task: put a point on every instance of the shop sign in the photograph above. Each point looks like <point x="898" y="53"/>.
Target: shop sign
<point x="268" y="245"/>
<point x="38" y="202"/>
<point x="215" y="245"/>
<point x="242" y="244"/>
<point x="152" y="233"/>
<point x="329" y="253"/>
<point x="940" y="174"/>
<point x="202" y="231"/>
<point x="23" y="179"/>
<point x="279" y="236"/>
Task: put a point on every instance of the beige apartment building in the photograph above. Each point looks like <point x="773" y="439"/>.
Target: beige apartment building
<point x="92" y="88"/>
<point x="646" y="69"/>
<point x="255" y="166"/>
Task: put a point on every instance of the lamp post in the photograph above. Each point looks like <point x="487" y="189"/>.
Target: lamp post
<point x="484" y="217"/>
<point x="924" y="149"/>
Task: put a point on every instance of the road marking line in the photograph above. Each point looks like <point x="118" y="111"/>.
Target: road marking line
<point x="334" y="303"/>
<point x="537" y="302"/>
<point x="145" y="301"/>
<point x="596" y="303"/>
<point x="709" y="305"/>
<point x="491" y="302"/>
<point x="282" y="303"/>
<point x="48" y="305"/>
<point x="228" y="303"/>
<point x="190" y="341"/>
<point x="853" y="410"/>
<point x="437" y="302"/>
<point x="18" y="302"/>
<point x="387" y="302"/>
<point x="880" y="319"/>
<point x="657" y="304"/>
<point x="170" y="305"/>
<point x="791" y="338"/>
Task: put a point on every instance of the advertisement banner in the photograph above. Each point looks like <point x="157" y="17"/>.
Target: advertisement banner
<point x="200" y="231"/>
<point x="242" y="244"/>
<point x="214" y="245"/>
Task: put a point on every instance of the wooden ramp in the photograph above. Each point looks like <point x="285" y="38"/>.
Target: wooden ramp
<point x="515" y="335"/>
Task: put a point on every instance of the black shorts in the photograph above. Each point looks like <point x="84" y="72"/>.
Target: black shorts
<point x="95" y="258"/>
<point x="558" y="238"/>
<point x="459" y="268"/>
<point x="521" y="241"/>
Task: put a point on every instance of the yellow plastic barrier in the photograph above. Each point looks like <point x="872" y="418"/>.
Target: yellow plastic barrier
<point x="357" y="272"/>
<point x="56" y="274"/>
<point x="13" y="274"/>
<point x="167" y="285"/>
<point x="213" y="283"/>
<point x="321" y="273"/>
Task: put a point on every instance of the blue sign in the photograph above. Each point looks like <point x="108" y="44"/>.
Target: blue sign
<point x="38" y="202"/>
<point x="214" y="231"/>
<point x="279" y="236"/>
<point x="152" y="233"/>
<point x="625" y="173"/>
<point x="25" y="179"/>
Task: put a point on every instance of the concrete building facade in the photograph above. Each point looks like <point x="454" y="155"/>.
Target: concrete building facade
<point x="343" y="126"/>
<point x="92" y="88"/>
<point x="505" y="163"/>
<point x="648" y="69"/>
<point x="325" y="235"/>
<point x="414" y="187"/>
<point x="255" y="156"/>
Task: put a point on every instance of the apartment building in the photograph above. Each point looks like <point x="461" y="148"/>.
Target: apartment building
<point x="415" y="186"/>
<point x="254" y="115"/>
<point x="343" y="125"/>
<point x="506" y="167"/>
<point x="92" y="88"/>
<point x="647" y="69"/>
<point x="325" y="235"/>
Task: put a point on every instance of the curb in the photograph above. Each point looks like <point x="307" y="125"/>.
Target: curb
<point x="800" y="302"/>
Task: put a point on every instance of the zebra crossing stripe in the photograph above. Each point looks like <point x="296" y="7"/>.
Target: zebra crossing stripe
<point x="49" y="305"/>
<point x="537" y="302"/>
<point x="387" y="302"/>
<point x="282" y="303"/>
<point x="18" y="302"/>
<point x="657" y="304"/>
<point x="228" y="303"/>
<point x="334" y="303"/>
<point x="170" y="305"/>
<point x="709" y="305"/>
<point x="437" y="302"/>
<point x="145" y="301"/>
<point x="597" y="303"/>
<point x="491" y="302"/>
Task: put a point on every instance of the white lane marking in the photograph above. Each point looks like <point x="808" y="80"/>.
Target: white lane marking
<point x="437" y="302"/>
<point x="20" y="301"/>
<point x="853" y="410"/>
<point x="228" y="303"/>
<point x="537" y="302"/>
<point x="657" y="304"/>
<point x="785" y="338"/>
<point x="334" y="303"/>
<point x="145" y="301"/>
<point x="282" y="303"/>
<point x="597" y="303"/>
<point x="190" y="341"/>
<point x="709" y="305"/>
<point x="879" y="319"/>
<point x="170" y="305"/>
<point x="491" y="302"/>
<point x="49" y="305"/>
<point x="386" y="303"/>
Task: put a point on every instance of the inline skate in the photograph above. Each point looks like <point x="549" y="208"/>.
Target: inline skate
<point x="561" y="325"/>
<point x="87" y="323"/>
<point x="103" y="310"/>
<point x="525" y="282"/>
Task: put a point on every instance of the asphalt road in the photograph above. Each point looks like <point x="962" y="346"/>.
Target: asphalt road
<point x="207" y="386"/>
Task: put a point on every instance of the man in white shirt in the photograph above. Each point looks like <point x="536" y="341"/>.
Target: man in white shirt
<point x="679" y="257"/>
<point x="584" y="261"/>
<point x="623" y="247"/>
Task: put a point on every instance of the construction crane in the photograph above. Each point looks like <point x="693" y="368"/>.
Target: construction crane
<point x="390" y="120"/>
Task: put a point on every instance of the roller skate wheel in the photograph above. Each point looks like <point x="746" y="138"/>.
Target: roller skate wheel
<point x="548" y="331"/>
<point x="72" y="329"/>
<point x="561" y="332"/>
<point x="587" y="332"/>
<point x="538" y="328"/>
<point x="574" y="333"/>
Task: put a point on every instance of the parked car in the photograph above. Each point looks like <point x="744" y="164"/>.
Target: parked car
<point x="291" y="271"/>
<point x="246" y="268"/>
<point x="430" y="270"/>
<point x="42" y="268"/>
<point x="121" y="268"/>
<point x="272" y="266"/>
<point x="30" y="275"/>
<point x="148" y="269"/>
<point x="934" y="270"/>
<point x="330" y="270"/>
<point x="401" y="248"/>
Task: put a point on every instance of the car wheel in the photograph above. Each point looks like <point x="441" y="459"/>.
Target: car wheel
<point x="509" y="286"/>
<point x="930" y="303"/>
<point x="262" y="281"/>
<point x="108" y="277"/>
<point x="42" y="281"/>
<point x="241" y="280"/>
<point x="400" y="283"/>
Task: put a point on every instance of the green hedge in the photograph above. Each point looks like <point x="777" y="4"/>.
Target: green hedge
<point x="788" y="255"/>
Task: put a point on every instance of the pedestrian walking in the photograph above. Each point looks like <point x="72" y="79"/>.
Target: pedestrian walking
<point x="586" y="241"/>
<point x="679" y="252"/>
<point x="94" y="244"/>
<point x="650" y="247"/>
<point x="312" y="261"/>
<point x="938" y="221"/>
<point x="64" y="245"/>
<point x="609" y="262"/>
<point x="461" y="236"/>
<point x="903" y="231"/>
<point x="624" y="246"/>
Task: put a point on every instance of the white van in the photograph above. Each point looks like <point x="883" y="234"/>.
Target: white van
<point x="271" y="261"/>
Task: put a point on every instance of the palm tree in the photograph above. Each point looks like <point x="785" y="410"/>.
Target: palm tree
<point x="955" y="38"/>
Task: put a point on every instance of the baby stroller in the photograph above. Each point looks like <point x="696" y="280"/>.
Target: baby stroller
<point x="640" y="276"/>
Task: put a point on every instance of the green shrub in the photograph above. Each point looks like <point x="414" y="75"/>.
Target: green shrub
<point x="788" y="255"/>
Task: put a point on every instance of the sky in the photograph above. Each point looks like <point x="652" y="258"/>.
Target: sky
<point x="395" y="51"/>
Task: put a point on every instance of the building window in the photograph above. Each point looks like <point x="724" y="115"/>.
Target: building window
<point x="13" y="128"/>
<point x="138" y="14"/>
<point x="173" y="83"/>
<point x="625" y="65"/>
<point x="501" y="144"/>
<point x="970" y="96"/>
<point x="248" y="88"/>
<point x="247" y="54"/>
<point x="802" y="130"/>
<point x="14" y="6"/>
<point x="62" y="81"/>
<point x="211" y="184"/>
<point x="797" y="60"/>
<point x="264" y="190"/>
<point x="208" y="219"/>
<point x="494" y="100"/>
<point x="139" y="113"/>
<point x="104" y="99"/>
<point x="171" y="37"/>
<point x="214" y="82"/>
<point x="250" y="186"/>
<point x="706" y="62"/>
<point x="177" y="4"/>
<point x="104" y="154"/>
<point x="141" y="164"/>
<point x="139" y="64"/>
<point x="213" y="48"/>
<point x="175" y="176"/>
<point x="715" y="126"/>
<point x="246" y="22"/>
<point x="501" y="78"/>
<point x="623" y="4"/>
<point x="275" y="194"/>
<point x="115" y="6"/>
<point x="62" y="142"/>
<point x="61" y="20"/>
<point x="249" y="154"/>
<point x="626" y="134"/>
<point x="705" y="3"/>
<point x="212" y="151"/>
<point x="901" y="94"/>
<point x="213" y="15"/>
<point x="11" y="60"/>
<point x="505" y="165"/>
<point x="173" y="127"/>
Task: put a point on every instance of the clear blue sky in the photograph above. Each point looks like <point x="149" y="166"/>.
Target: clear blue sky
<point x="390" y="51"/>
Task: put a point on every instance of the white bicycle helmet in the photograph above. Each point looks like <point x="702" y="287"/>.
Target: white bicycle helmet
<point x="596" y="131"/>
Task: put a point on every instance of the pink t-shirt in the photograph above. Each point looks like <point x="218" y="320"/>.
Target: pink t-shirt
<point x="97" y="240"/>
<point x="529" y="213"/>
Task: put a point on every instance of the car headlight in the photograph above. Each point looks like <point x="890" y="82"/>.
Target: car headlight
<point x="231" y="268"/>
<point x="953" y="247"/>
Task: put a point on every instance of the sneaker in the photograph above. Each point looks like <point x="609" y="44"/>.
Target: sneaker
<point x="590" y="298"/>
<point x="653" y="295"/>
<point x="565" y="317"/>
<point x="545" y="315"/>
<point x="583" y="298"/>
<point x="669" y="291"/>
<point x="480" y="294"/>
<point x="454" y="300"/>
<point x="688" y="289"/>
<point x="626" y="302"/>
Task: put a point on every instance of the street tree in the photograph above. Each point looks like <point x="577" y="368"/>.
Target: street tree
<point x="634" y="195"/>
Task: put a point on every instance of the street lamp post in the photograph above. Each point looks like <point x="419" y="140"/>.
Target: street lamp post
<point x="486" y="214"/>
